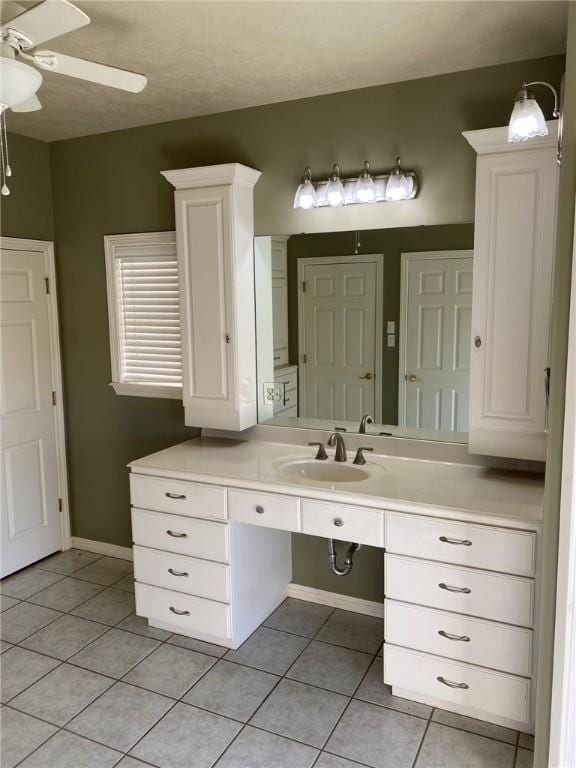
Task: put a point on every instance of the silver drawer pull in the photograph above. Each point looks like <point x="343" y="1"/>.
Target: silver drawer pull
<point x="450" y="684"/>
<point x="450" y="588"/>
<point x="462" y="542"/>
<point x="177" y="535"/>
<point x="450" y="636"/>
<point x="177" y="573"/>
<point x="175" y="495"/>
<point x="178" y="612"/>
<point x="338" y="522"/>
<point x="260" y="509"/>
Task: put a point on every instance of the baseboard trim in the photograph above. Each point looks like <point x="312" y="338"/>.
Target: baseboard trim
<point x="335" y="600"/>
<point x="102" y="548"/>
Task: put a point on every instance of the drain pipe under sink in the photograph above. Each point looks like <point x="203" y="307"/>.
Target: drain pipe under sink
<point x="332" y="556"/>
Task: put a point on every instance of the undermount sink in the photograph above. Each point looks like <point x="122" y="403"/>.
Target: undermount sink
<point x="323" y="471"/>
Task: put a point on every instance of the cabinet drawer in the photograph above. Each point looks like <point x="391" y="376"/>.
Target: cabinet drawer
<point x="460" y="637"/>
<point x="267" y="509"/>
<point x="484" y="594"/>
<point x="497" y="549"/>
<point x="496" y="693"/>
<point x="189" y="614"/>
<point x="184" y="574"/>
<point x="178" y="496"/>
<point x="342" y="522"/>
<point x="183" y="535"/>
<point x="288" y="378"/>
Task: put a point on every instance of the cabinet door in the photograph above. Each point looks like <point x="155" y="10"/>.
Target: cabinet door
<point x="280" y="321"/>
<point x="279" y="252"/>
<point x="204" y="238"/>
<point x="513" y="264"/>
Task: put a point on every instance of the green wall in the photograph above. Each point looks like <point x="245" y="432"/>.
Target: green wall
<point x="27" y="211"/>
<point x="111" y="183"/>
<point x="392" y="243"/>
<point x="559" y="347"/>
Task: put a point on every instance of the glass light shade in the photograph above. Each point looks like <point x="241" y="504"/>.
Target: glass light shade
<point x="335" y="193"/>
<point x="365" y="190"/>
<point x="18" y="82"/>
<point x="399" y="187"/>
<point x="305" y="195"/>
<point x="526" y="120"/>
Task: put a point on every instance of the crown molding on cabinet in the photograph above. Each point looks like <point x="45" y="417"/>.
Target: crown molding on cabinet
<point x="212" y="176"/>
<point x="489" y="141"/>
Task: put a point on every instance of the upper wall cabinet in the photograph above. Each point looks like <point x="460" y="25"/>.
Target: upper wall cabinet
<point x="214" y="236"/>
<point x="515" y="227"/>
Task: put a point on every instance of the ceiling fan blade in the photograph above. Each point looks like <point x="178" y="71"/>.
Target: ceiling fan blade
<point x="30" y="105"/>
<point x="90" y="70"/>
<point x="47" y="20"/>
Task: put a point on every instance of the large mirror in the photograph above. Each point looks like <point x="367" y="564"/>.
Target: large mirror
<point x="366" y="331"/>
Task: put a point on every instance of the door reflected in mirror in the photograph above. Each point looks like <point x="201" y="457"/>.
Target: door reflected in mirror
<point x="366" y="331"/>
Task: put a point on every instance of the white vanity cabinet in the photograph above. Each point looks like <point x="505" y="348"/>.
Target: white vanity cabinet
<point x="214" y="234"/>
<point x="514" y="244"/>
<point x="459" y="616"/>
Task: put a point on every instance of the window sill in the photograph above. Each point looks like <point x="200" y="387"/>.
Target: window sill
<point x="146" y="390"/>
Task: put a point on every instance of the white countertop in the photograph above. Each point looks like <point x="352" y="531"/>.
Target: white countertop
<point x="406" y="485"/>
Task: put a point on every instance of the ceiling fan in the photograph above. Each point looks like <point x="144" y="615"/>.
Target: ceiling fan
<point x="19" y="57"/>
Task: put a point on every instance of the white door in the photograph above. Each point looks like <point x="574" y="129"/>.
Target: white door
<point x="435" y="326"/>
<point x="29" y="465"/>
<point x="340" y="338"/>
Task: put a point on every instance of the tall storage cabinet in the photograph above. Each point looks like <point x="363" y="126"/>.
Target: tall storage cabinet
<point x="215" y="232"/>
<point x="514" y="244"/>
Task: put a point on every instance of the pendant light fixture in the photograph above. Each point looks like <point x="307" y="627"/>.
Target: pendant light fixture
<point x="399" y="185"/>
<point x="365" y="189"/>
<point x="306" y="193"/>
<point x="335" y="188"/>
<point x="527" y="119"/>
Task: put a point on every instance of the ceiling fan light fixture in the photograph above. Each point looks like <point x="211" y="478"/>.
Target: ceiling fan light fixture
<point x="18" y="82"/>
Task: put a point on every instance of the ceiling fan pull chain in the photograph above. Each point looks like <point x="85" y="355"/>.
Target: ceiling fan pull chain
<point x="6" y="170"/>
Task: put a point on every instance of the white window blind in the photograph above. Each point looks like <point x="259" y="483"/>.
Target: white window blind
<point x="145" y="317"/>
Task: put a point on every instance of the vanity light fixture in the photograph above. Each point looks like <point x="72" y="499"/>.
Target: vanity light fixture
<point x="305" y="194"/>
<point x="527" y="119"/>
<point x="336" y="191"/>
<point x="365" y="189"/>
<point x="399" y="185"/>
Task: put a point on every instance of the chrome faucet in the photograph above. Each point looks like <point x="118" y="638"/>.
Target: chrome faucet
<point x="336" y="440"/>
<point x="366" y="419"/>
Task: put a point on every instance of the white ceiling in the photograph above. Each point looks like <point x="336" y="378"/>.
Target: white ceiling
<point x="205" y="57"/>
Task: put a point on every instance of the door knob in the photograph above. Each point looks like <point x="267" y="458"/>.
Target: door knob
<point x="368" y="376"/>
<point x="412" y="377"/>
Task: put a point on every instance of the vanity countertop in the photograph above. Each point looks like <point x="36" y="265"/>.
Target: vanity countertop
<point x="405" y="485"/>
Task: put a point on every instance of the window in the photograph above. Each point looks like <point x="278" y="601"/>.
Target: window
<point x="144" y="314"/>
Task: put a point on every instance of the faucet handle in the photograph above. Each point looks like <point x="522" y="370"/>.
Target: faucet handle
<point x="359" y="458"/>
<point x="321" y="455"/>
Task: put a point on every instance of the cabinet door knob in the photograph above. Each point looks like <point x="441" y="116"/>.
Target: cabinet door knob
<point x="451" y="684"/>
<point x="177" y="573"/>
<point x="338" y="522"/>
<point x="260" y="509"/>
<point x="175" y="495"/>
<point x="461" y="542"/>
<point x="477" y="342"/>
<point x="178" y="612"/>
<point x="177" y="535"/>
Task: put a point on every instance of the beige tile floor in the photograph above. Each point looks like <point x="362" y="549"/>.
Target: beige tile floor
<point x="87" y="684"/>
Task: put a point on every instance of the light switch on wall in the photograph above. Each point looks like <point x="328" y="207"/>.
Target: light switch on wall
<point x="391" y="339"/>
<point x="391" y="327"/>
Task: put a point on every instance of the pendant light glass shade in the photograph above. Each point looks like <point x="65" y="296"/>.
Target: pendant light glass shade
<point x="306" y="194"/>
<point x="18" y="82"/>
<point x="335" y="188"/>
<point x="365" y="189"/>
<point x="399" y="186"/>
<point x="527" y="119"/>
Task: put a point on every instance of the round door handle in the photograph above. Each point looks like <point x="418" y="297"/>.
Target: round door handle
<point x="338" y="522"/>
<point x="412" y="377"/>
<point x="368" y="376"/>
<point x="260" y="509"/>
